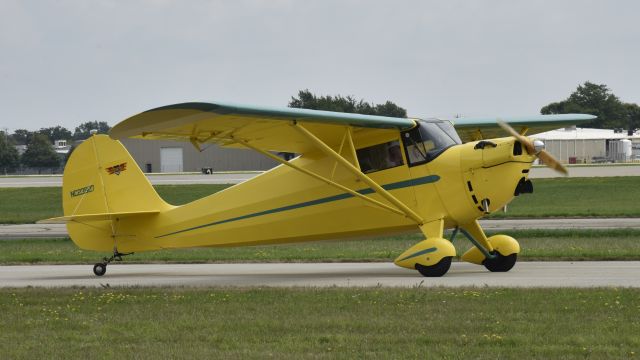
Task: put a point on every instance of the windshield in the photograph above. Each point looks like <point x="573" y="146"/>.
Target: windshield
<point x="428" y="140"/>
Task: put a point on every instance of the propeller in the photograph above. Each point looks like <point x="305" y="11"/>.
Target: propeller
<point x="542" y="154"/>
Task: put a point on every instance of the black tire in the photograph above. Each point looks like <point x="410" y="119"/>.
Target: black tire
<point x="436" y="270"/>
<point x="99" y="269"/>
<point x="500" y="263"/>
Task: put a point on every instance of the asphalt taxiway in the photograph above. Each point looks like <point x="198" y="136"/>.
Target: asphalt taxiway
<point x="582" y="274"/>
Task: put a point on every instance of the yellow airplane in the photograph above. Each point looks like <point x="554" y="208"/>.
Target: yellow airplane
<point x="356" y="175"/>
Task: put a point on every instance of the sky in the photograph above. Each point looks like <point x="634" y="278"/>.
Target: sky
<point x="65" y="62"/>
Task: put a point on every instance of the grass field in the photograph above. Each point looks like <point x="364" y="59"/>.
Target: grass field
<point x="28" y="205"/>
<point x="536" y="245"/>
<point x="562" y="197"/>
<point x="578" y="197"/>
<point x="418" y="323"/>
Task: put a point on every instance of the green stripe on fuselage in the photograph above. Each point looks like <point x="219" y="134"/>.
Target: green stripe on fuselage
<point x="393" y="186"/>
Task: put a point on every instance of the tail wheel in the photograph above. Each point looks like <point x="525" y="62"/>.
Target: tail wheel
<point x="436" y="270"/>
<point x="100" y="269"/>
<point x="500" y="263"/>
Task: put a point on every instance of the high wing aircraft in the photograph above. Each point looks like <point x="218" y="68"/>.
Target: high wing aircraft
<point x="356" y="175"/>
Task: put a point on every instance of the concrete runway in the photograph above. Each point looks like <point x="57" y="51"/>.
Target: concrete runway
<point x="237" y="177"/>
<point x="525" y="274"/>
<point x="34" y="231"/>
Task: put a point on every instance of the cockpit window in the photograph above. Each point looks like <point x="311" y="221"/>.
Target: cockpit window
<point x="380" y="157"/>
<point x="428" y="140"/>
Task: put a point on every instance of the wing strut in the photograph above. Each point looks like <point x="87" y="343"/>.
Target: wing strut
<point x="405" y="210"/>
<point x="319" y="177"/>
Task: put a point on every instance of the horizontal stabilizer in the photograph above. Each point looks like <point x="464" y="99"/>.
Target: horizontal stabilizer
<point x="95" y="217"/>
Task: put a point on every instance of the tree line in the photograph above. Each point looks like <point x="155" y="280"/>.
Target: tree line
<point x="588" y="98"/>
<point x="346" y="104"/>
<point x="39" y="151"/>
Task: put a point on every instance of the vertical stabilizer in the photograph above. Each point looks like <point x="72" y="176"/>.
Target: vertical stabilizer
<point x="102" y="177"/>
<point x="107" y="201"/>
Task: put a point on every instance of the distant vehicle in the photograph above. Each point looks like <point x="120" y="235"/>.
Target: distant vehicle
<point x="356" y="175"/>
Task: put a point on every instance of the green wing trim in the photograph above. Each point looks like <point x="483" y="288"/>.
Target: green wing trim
<point x="476" y="128"/>
<point x="276" y="113"/>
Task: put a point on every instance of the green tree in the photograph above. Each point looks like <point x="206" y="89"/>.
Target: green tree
<point x="40" y="154"/>
<point x="9" y="158"/>
<point x="633" y="116"/>
<point x="348" y="104"/>
<point x="83" y="131"/>
<point x="22" y="136"/>
<point x="56" y="133"/>
<point x="594" y="99"/>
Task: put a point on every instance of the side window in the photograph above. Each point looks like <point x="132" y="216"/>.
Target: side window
<point x="380" y="157"/>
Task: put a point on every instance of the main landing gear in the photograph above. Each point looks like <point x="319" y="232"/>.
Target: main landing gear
<point x="500" y="263"/>
<point x="101" y="268"/>
<point x="437" y="270"/>
<point x="432" y="256"/>
<point x="497" y="253"/>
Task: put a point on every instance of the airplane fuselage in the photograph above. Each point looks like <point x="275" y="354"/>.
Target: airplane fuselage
<point x="284" y="205"/>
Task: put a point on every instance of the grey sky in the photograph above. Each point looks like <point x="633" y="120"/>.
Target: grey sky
<point x="69" y="61"/>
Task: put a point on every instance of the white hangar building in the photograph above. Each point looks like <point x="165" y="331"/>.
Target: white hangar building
<point x="584" y="146"/>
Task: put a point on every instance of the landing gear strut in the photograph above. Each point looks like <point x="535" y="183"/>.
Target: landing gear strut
<point x="101" y="268"/>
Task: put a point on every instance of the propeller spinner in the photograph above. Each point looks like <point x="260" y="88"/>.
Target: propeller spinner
<point x="535" y="148"/>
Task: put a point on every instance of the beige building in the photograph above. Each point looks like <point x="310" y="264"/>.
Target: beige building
<point x="172" y="156"/>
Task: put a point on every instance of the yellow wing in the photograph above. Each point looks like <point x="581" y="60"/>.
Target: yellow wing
<point x="263" y="127"/>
